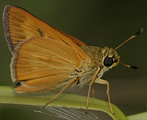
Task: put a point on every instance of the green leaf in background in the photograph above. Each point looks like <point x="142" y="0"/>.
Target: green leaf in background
<point x="140" y="116"/>
<point x="7" y="96"/>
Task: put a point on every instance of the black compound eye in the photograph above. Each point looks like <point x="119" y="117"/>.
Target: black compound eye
<point x="108" y="61"/>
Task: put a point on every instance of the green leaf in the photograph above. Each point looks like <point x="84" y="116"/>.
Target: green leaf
<point x="140" y="116"/>
<point x="8" y="96"/>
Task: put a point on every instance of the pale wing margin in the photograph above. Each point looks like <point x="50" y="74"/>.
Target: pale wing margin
<point x="43" y="63"/>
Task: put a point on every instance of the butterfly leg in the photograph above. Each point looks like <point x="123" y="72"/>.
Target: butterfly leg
<point x="101" y="81"/>
<point x="92" y="81"/>
<point x="68" y="85"/>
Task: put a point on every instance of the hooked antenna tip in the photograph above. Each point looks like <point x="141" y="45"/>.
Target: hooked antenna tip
<point x="139" y="32"/>
<point x="134" y="67"/>
<point x="129" y="66"/>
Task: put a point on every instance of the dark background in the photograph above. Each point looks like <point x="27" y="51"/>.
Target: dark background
<point x="97" y="23"/>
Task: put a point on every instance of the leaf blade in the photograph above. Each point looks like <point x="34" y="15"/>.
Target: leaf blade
<point x="7" y="96"/>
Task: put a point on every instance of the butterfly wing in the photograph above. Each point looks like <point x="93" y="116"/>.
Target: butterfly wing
<point x="41" y="64"/>
<point x="43" y="57"/>
<point x="20" y="25"/>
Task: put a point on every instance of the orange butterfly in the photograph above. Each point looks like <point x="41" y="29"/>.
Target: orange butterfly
<point x="45" y="58"/>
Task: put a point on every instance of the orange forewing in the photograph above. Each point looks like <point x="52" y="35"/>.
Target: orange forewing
<point x="44" y="58"/>
<point x="21" y="25"/>
<point x="43" y="64"/>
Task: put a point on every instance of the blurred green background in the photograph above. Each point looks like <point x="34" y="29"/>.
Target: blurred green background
<point x="97" y="23"/>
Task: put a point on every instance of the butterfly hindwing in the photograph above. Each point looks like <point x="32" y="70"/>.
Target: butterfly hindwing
<point x="43" y="63"/>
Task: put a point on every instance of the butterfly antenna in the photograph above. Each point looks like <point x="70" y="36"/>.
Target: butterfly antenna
<point x="129" y="66"/>
<point x="133" y="36"/>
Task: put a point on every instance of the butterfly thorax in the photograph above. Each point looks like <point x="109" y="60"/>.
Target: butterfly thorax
<point x="103" y="58"/>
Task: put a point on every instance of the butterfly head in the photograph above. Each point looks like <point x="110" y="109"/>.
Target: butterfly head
<point x="110" y="58"/>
